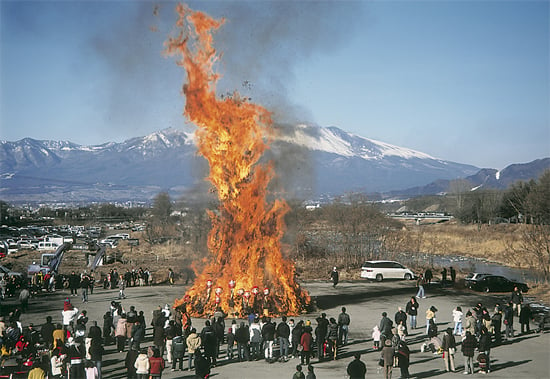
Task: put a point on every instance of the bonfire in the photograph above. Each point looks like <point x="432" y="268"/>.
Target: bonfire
<point x="246" y="270"/>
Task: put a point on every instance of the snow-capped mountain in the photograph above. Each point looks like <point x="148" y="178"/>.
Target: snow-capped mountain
<point x="309" y="161"/>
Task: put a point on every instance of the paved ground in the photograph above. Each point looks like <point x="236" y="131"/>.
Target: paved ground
<point x="525" y="356"/>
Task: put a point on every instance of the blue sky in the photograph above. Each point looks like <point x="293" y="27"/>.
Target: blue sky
<point x="465" y="81"/>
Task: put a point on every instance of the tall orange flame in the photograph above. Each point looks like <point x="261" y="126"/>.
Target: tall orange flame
<point x="247" y="269"/>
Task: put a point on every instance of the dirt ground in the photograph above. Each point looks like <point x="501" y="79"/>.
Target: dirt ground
<point x="525" y="356"/>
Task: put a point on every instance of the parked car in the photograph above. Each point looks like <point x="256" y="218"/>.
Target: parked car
<point x="380" y="270"/>
<point x="496" y="283"/>
<point x="473" y="277"/>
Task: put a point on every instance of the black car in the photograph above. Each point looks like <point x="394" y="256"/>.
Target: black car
<point x="496" y="283"/>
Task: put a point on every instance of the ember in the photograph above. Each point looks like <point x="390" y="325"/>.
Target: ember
<point x="246" y="231"/>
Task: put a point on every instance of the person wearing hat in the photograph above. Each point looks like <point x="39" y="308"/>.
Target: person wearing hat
<point x="387" y="356"/>
<point x="334" y="276"/>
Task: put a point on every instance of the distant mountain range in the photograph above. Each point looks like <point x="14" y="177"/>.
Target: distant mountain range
<point x="310" y="162"/>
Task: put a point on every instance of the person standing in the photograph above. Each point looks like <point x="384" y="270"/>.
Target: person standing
<point x="430" y="315"/>
<point x="356" y="368"/>
<point x="320" y="333"/>
<point x="156" y="363"/>
<point x="453" y="274"/>
<point x="283" y="333"/>
<point x="24" y="296"/>
<point x="403" y="353"/>
<point x="96" y="354"/>
<point x="332" y="338"/>
<point x="193" y="343"/>
<point x="385" y="327"/>
<point x="268" y="335"/>
<point x="468" y="349"/>
<point x="449" y="347"/>
<point x="412" y="310"/>
<point x="242" y="337"/>
<point x="401" y="319"/>
<point x="177" y="352"/>
<point x="255" y="339"/>
<point x="387" y="356"/>
<point x="142" y="365"/>
<point x="509" y="320"/>
<point x="130" y="361"/>
<point x="516" y="300"/>
<point x="334" y="276"/>
<point x="457" y="318"/>
<point x="121" y="288"/>
<point x="420" y="285"/>
<point x="343" y="327"/>
<point x="47" y="332"/>
<point x="306" y="341"/>
<point x="485" y="347"/>
<point x="496" y="320"/>
<point x="171" y="276"/>
<point x="74" y="283"/>
<point x="84" y="286"/>
<point x="525" y="318"/>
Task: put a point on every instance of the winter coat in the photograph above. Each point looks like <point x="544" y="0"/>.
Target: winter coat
<point x="283" y="330"/>
<point x="156" y="365"/>
<point x="242" y="335"/>
<point x="120" y="330"/>
<point x="178" y="347"/>
<point x="268" y="331"/>
<point x="306" y="341"/>
<point x="470" y="324"/>
<point x="142" y="364"/>
<point x="469" y="346"/>
<point x="448" y="341"/>
<point x="387" y="355"/>
<point x="193" y="342"/>
<point x="412" y="309"/>
<point x="385" y="326"/>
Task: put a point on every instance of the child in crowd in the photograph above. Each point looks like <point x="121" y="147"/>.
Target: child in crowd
<point x="376" y="337"/>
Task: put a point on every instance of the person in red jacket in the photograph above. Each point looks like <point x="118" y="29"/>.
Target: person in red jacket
<point x="305" y="342"/>
<point x="156" y="363"/>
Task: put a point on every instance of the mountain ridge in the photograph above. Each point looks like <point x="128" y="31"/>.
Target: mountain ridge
<point x="310" y="162"/>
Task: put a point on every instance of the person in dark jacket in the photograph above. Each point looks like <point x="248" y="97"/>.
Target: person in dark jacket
<point x="296" y="336"/>
<point x="357" y="369"/>
<point x="401" y="316"/>
<point x="178" y="351"/>
<point x="283" y="333"/>
<point x="202" y="366"/>
<point x="96" y="353"/>
<point x="320" y="334"/>
<point x="485" y="347"/>
<point x="107" y="327"/>
<point x="509" y="320"/>
<point x="268" y="335"/>
<point x="386" y="325"/>
<point x="298" y="374"/>
<point x="158" y="334"/>
<point x="334" y="276"/>
<point x="449" y="347"/>
<point x="525" y="318"/>
<point x="209" y="342"/>
<point x="496" y="321"/>
<point x="412" y="310"/>
<point x="129" y="362"/>
<point x="517" y="300"/>
<point x="468" y="349"/>
<point x="332" y="338"/>
<point x="242" y="337"/>
<point x="403" y="353"/>
<point x="47" y="332"/>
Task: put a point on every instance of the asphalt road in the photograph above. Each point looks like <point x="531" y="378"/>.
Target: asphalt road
<point x="526" y="356"/>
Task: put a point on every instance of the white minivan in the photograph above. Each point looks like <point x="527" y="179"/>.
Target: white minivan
<point x="380" y="270"/>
